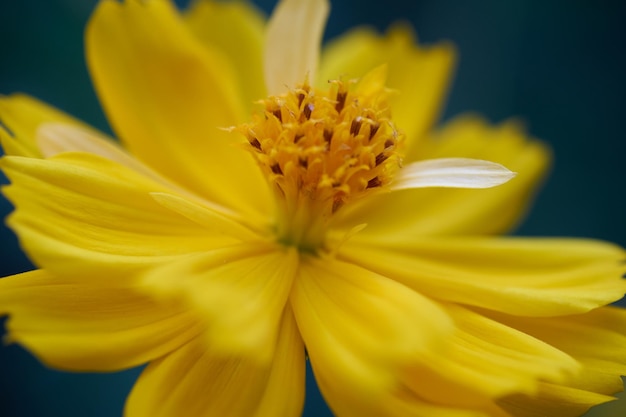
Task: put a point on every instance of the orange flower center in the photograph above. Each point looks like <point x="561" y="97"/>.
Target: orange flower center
<point x="320" y="150"/>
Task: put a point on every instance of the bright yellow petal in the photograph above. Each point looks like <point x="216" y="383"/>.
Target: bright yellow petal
<point x="599" y="334"/>
<point x="22" y="115"/>
<point x="81" y="214"/>
<point x="193" y="381"/>
<point x="596" y="339"/>
<point x="236" y="29"/>
<point x="213" y="217"/>
<point x="419" y="76"/>
<point x="521" y="276"/>
<point x="599" y="375"/>
<point x="554" y="400"/>
<point x="292" y="44"/>
<point x="167" y="97"/>
<point x="438" y="211"/>
<point x="287" y="374"/>
<point x="347" y="399"/>
<point x="487" y="360"/>
<point x="240" y="292"/>
<point x="90" y="324"/>
<point x="54" y="138"/>
<point x="361" y="325"/>
<point x="37" y="130"/>
<point x="483" y="361"/>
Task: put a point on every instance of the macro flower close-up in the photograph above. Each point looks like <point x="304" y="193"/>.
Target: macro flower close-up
<point x="267" y="203"/>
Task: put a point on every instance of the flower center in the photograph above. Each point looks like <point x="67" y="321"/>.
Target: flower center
<point x="321" y="150"/>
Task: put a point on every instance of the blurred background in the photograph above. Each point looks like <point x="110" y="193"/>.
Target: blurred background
<point x="559" y="66"/>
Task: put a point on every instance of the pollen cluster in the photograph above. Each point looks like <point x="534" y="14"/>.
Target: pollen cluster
<point x="322" y="149"/>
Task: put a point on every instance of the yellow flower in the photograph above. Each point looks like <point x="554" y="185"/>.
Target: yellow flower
<point x="230" y="233"/>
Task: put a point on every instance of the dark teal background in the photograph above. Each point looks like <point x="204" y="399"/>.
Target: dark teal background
<point x="558" y="65"/>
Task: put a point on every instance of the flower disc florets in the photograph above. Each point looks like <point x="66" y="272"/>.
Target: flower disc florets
<point x="321" y="150"/>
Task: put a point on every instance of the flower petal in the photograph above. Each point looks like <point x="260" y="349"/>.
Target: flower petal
<point x="288" y="373"/>
<point x="80" y="214"/>
<point x="20" y="117"/>
<point x="596" y="339"/>
<point x="451" y="172"/>
<point x="211" y="216"/>
<point x="37" y="130"/>
<point x="193" y="381"/>
<point x="293" y="41"/>
<point x="485" y="361"/>
<point x="55" y="138"/>
<point x="437" y="211"/>
<point x="167" y="98"/>
<point x="520" y="276"/>
<point x="239" y="291"/>
<point x="554" y="400"/>
<point x="236" y="29"/>
<point x="420" y="75"/>
<point x="90" y="324"/>
<point x="345" y="400"/>
<point x="361" y="325"/>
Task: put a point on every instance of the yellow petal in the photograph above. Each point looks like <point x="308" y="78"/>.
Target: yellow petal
<point x="346" y="399"/>
<point x="482" y="361"/>
<point x="37" y="130"/>
<point x="599" y="375"/>
<point x="78" y="213"/>
<point x="240" y="292"/>
<point x="457" y="211"/>
<point x="373" y="84"/>
<point x="600" y="333"/>
<point x="90" y="324"/>
<point x="596" y="339"/>
<point x="193" y="381"/>
<point x="487" y="360"/>
<point x="236" y="29"/>
<point x="167" y="97"/>
<point x="554" y="400"/>
<point x="614" y="408"/>
<point x="360" y="327"/>
<point x="293" y="41"/>
<point x="21" y="116"/>
<point x="55" y="138"/>
<point x="419" y="76"/>
<point x="288" y="373"/>
<point x="211" y="216"/>
<point x="521" y="276"/>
